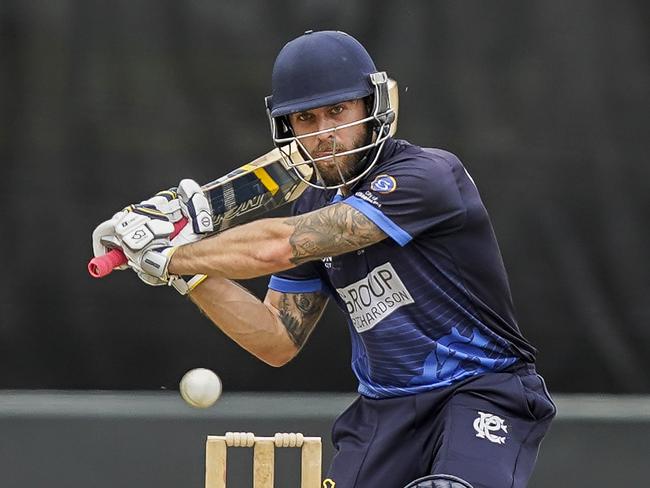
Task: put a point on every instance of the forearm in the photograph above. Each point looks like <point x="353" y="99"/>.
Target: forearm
<point x="248" y="251"/>
<point x="245" y="319"/>
<point x="267" y="246"/>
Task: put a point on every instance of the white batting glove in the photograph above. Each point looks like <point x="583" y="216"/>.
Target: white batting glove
<point x="104" y="238"/>
<point x="169" y="203"/>
<point x="195" y="206"/>
<point x="148" y="224"/>
<point x="144" y="235"/>
<point x="165" y="201"/>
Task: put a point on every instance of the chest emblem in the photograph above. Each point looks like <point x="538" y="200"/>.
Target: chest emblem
<point x="383" y="184"/>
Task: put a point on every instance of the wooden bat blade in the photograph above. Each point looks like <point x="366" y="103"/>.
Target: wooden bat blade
<point x="253" y="190"/>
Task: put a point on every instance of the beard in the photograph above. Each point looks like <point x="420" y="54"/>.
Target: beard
<point x="339" y="169"/>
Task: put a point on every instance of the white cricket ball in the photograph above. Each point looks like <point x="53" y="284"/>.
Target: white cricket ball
<point x="200" y="387"/>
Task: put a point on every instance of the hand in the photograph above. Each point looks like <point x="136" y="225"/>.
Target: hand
<point x="165" y="202"/>
<point x="104" y="238"/>
<point x="189" y="201"/>
<point x="192" y="205"/>
<point x="143" y="234"/>
<point x="195" y="206"/>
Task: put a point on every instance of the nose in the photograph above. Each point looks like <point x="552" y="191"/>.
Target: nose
<point x="325" y="138"/>
<point x="324" y="124"/>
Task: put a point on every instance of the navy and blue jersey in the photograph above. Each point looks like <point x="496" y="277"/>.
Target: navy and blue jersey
<point x="430" y="305"/>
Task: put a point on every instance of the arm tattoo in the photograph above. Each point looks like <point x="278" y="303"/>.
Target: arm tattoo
<point x="299" y="313"/>
<point x="331" y="231"/>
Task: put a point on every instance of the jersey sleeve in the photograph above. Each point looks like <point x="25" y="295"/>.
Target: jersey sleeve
<point x="420" y="194"/>
<point x="302" y="279"/>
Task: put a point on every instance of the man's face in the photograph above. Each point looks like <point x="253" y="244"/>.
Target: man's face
<point x="334" y="142"/>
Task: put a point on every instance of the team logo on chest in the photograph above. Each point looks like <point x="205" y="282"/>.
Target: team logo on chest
<point x="383" y="184"/>
<point x="486" y="424"/>
<point x="375" y="297"/>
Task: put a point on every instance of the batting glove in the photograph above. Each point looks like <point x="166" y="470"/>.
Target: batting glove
<point x="143" y="233"/>
<point x="195" y="206"/>
<point x="188" y="202"/>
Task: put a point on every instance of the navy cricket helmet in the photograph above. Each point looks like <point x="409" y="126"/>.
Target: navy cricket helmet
<point x="320" y="69"/>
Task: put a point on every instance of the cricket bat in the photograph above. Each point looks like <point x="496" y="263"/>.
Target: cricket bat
<point x="245" y="193"/>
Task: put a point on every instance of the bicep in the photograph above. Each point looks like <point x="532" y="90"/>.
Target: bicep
<point x="297" y="312"/>
<point x="331" y="231"/>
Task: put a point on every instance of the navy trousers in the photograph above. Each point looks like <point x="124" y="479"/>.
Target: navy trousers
<point x="486" y="430"/>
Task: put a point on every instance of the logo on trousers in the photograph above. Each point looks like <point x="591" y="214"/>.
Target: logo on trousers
<point x="486" y="424"/>
<point x="328" y="483"/>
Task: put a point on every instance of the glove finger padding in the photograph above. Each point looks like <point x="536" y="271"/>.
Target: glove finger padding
<point x="195" y="206"/>
<point x="104" y="238"/>
<point x="166" y="202"/>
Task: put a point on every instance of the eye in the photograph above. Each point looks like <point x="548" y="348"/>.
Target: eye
<point x="304" y="117"/>
<point x="336" y="109"/>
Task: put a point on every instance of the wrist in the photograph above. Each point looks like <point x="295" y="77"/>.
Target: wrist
<point x="174" y="258"/>
<point x="183" y="261"/>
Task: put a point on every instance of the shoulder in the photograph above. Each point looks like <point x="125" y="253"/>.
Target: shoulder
<point x="432" y="166"/>
<point x="417" y="189"/>
<point x="403" y="154"/>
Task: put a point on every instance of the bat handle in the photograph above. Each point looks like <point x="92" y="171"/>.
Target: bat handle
<point x="101" y="266"/>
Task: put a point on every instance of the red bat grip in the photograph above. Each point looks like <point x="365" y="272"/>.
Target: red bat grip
<point x="103" y="265"/>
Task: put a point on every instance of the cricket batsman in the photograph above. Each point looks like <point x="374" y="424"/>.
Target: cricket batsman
<point x="398" y="237"/>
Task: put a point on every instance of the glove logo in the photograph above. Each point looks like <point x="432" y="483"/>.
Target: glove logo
<point x="138" y="235"/>
<point x="328" y="483"/>
<point x="486" y="424"/>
